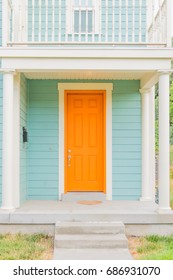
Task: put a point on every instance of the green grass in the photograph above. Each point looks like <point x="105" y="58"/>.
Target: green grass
<point x="25" y="247"/>
<point x="152" y="247"/>
<point x="171" y="193"/>
<point x="171" y="154"/>
<point x="171" y="176"/>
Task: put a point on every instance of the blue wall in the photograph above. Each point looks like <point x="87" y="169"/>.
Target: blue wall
<point x="43" y="139"/>
<point x="126" y="140"/>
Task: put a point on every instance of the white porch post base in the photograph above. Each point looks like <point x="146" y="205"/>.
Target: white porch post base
<point x="147" y="192"/>
<point x="8" y="139"/>
<point x="164" y="163"/>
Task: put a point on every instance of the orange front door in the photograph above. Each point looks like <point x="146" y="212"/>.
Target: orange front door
<point x="85" y="142"/>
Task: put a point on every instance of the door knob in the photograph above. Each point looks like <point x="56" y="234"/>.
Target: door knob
<point x="69" y="158"/>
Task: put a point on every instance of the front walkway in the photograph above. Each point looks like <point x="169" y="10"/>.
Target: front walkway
<point x="49" y="212"/>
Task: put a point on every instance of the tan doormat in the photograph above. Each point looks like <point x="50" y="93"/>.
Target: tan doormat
<point x="89" y="202"/>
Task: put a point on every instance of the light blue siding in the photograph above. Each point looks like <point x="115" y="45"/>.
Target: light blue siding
<point x="1" y="108"/>
<point x="39" y="158"/>
<point x="43" y="140"/>
<point x="23" y="146"/>
<point x="126" y="141"/>
<point x="111" y="18"/>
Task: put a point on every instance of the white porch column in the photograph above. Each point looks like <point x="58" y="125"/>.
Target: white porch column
<point x="8" y="139"/>
<point x="164" y="164"/>
<point x="16" y="142"/>
<point x="152" y="179"/>
<point x="147" y="192"/>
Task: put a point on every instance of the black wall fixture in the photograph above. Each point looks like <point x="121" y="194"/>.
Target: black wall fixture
<point x="25" y="135"/>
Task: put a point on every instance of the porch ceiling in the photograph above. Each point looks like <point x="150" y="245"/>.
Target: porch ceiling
<point x="88" y="75"/>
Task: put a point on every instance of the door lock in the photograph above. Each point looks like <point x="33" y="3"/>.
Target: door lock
<point x="69" y="158"/>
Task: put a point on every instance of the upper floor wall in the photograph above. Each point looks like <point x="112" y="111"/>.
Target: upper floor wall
<point x="114" y="22"/>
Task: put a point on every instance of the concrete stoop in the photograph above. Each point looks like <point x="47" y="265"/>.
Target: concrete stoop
<point x="90" y="240"/>
<point x="78" y="196"/>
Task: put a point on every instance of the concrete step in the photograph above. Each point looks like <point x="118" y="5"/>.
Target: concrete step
<point x="89" y="228"/>
<point x="90" y="241"/>
<point x="92" y="254"/>
<point x="78" y="196"/>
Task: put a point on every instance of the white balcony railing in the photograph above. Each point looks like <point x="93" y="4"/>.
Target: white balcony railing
<point x="116" y="22"/>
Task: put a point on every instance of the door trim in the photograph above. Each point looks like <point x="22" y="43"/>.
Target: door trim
<point x="108" y="88"/>
<point x="84" y="92"/>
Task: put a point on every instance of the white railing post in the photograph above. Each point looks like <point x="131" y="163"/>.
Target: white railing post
<point x="33" y="20"/>
<point x="5" y="22"/>
<point x="140" y="21"/>
<point x="39" y="21"/>
<point x="133" y="20"/>
<point x="168" y="20"/>
<point x="160" y="35"/>
<point x="127" y="16"/>
<point x="113" y="21"/>
<point x="120" y="25"/>
<point x="17" y="21"/>
<point x="53" y="21"/>
<point x="153" y="22"/>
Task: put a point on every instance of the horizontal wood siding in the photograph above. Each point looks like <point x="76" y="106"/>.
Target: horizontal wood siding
<point x="43" y="140"/>
<point x="23" y="146"/>
<point x="126" y="128"/>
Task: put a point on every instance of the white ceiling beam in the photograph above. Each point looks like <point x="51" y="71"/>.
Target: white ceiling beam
<point x="90" y="64"/>
<point x="20" y="52"/>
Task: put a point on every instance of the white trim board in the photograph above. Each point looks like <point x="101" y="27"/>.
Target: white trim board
<point x="108" y="87"/>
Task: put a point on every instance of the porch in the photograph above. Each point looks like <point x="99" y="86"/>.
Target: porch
<point x="140" y="218"/>
<point x="114" y="72"/>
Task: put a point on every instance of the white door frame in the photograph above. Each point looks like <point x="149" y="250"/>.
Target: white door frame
<point x="108" y="87"/>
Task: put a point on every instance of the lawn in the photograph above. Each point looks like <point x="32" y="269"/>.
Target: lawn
<point x="40" y="247"/>
<point x="171" y="155"/>
<point x="26" y="247"/>
<point x="171" y="193"/>
<point x="151" y="247"/>
<point x="154" y="247"/>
